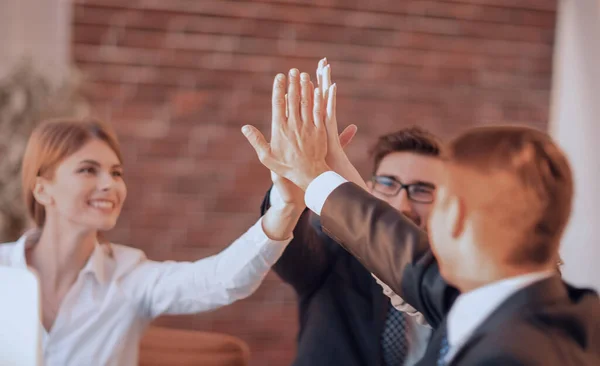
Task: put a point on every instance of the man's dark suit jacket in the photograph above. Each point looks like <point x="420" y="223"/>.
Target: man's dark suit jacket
<point x="548" y="323"/>
<point x="342" y="309"/>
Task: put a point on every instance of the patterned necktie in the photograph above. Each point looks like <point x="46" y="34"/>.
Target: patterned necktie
<point x="393" y="339"/>
<point x="444" y="348"/>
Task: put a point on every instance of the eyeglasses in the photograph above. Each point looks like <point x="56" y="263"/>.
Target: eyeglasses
<point x="389" y="186"/>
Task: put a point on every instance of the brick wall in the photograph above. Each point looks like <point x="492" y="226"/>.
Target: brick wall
<point x="178" y="78"/>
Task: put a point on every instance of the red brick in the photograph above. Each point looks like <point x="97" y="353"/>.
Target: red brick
<point x="544" y="5"/>
<point x="87" y="33"/>
<point x="178" y="79"/>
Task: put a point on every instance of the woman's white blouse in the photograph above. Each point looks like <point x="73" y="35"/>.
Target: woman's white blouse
<point x="103" y="316"/>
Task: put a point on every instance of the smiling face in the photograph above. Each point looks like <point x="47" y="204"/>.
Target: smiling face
<point x="407" y="166"/>
<point x="420" y="172"/>
<point x="86" y="189"/>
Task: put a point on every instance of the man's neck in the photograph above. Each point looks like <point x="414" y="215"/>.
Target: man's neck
<point x="493" y="274"/>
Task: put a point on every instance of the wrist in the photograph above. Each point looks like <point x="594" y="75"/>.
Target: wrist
<point x="289" y="209"/>
<point x="337" y="160"/>
<point x="278" y="222"/>
<point x="309" y="174"/>
<point x="344" y="167"/>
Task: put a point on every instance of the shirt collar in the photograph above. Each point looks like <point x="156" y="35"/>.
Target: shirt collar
<point x="471" y="309"/>
<point x="18" y="255"/>
<point x="95" y="264"/>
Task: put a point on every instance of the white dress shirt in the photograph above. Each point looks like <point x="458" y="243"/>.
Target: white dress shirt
<point x="417" y="329"/>
<point x="116" y="295"/>
<point x="471" y="309"/>
<point x="320" y="188"/>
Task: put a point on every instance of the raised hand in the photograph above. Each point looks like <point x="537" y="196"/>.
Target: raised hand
<point x="289" y="193"/>
<point x="336" y="157"/>
<point x="298" y="144"/>
<point x="335" y="143"/>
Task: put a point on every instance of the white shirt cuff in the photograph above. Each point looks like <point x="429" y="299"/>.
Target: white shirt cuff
<point x="320" y="188"/>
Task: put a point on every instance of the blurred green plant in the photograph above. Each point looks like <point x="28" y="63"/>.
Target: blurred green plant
<point x="26" y="99"/>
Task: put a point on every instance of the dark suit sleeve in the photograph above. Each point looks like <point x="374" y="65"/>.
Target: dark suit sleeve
<point x="390" y="246"/>
<point x="308" y="257"/>
<point x="501" y="360"/>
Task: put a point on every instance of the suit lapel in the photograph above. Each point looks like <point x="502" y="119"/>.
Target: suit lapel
<point x="518" y="305"/>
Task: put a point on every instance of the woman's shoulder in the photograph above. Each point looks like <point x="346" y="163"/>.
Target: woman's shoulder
<point x="124" y="258"/>
<point x="130" y="264"/>
<point x="123" y="254"/>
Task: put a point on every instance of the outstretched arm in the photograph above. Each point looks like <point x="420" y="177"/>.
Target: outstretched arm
<point x="191" y="287"/>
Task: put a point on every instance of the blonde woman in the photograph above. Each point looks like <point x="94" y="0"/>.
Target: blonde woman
<point x="98" y="297"/>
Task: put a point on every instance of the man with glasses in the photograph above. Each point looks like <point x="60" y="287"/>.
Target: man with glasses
<point x="345" y="318"/>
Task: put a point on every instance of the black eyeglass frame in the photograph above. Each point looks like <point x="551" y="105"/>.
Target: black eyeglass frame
<point x="402" y="186"/>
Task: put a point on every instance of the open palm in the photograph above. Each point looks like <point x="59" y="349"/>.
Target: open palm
<point x="288" y="192"/>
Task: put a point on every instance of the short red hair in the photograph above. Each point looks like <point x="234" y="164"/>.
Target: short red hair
<point x="519" y="186"/>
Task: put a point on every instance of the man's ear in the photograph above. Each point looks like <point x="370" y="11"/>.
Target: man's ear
<point x="456" y="215"/>
<point x="40" y="192"/>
